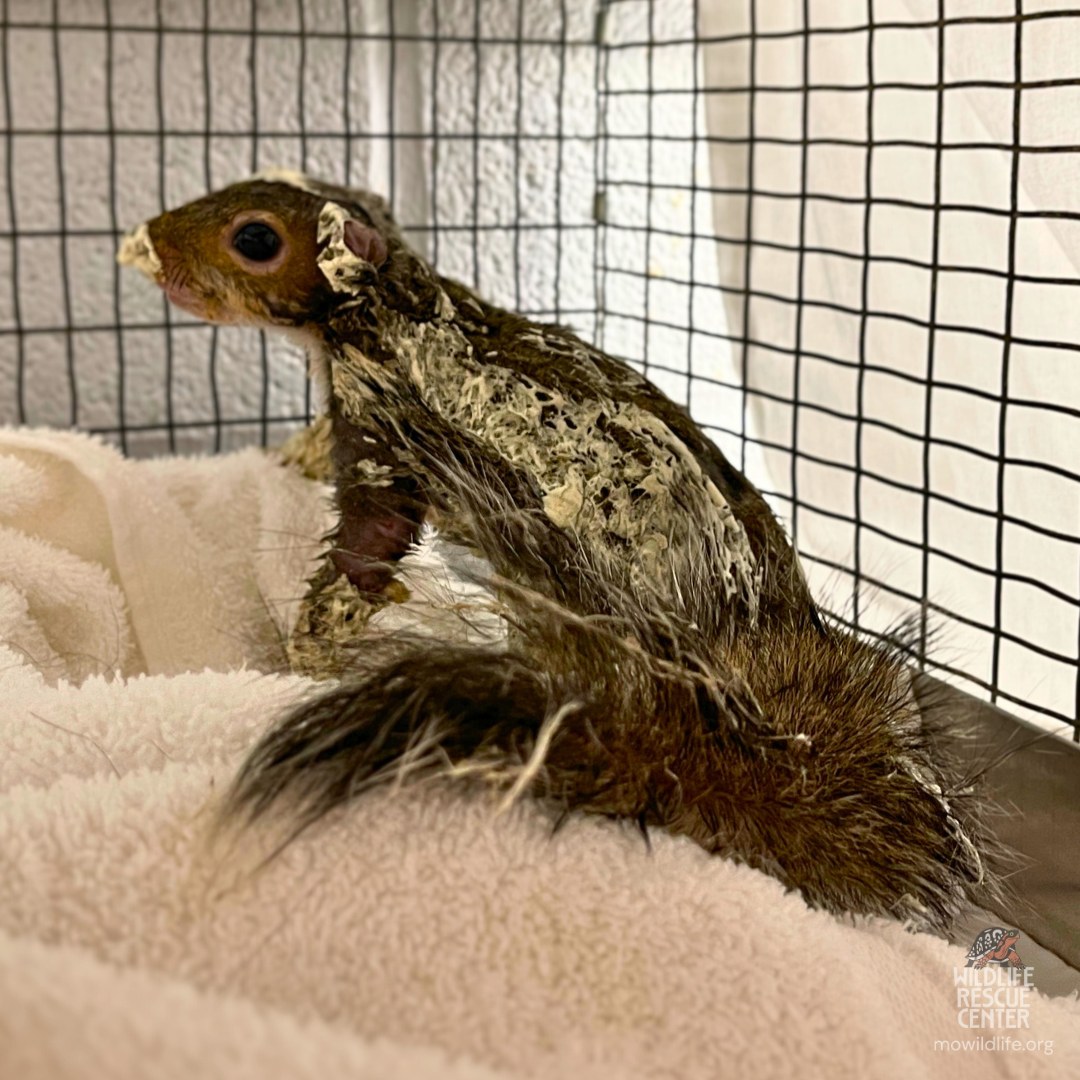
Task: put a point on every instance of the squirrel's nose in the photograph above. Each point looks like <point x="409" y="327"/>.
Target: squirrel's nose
<point x="137" y="249"/>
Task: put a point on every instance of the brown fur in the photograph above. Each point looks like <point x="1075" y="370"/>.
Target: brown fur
<point x="665" y="663"/>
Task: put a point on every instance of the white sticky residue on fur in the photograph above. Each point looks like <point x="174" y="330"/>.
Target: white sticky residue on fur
<point x="531" y="769"/>
<point x="351" y="376"/>
<point x="339" y="265"/>
<point x="137" y="249"/>
<point x="576" y="450"/>
<point x="910" y="724"/>
<point x="933" y="788"/>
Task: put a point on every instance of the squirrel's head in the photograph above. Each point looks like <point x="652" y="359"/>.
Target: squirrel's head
<point x="280" y="249"/>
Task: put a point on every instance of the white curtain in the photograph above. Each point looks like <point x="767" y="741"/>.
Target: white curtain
<point x="894" y="380"/>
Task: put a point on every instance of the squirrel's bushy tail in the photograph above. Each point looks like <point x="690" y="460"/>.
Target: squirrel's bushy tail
<point x="797" y="751"/>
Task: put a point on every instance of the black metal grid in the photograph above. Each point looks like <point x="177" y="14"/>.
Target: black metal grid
<point x="624" y="243"/>
<point x="859" y="590"/>
<point x="283" y="50"/>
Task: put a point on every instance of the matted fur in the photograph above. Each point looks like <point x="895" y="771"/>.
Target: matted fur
<point x="665" y="662"/>
<point x="796" y="751"/>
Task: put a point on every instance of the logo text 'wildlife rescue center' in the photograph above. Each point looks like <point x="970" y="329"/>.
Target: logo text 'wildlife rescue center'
<point x="993" y="989"/>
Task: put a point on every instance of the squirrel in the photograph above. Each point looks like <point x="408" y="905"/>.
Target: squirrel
<point x="665" y="662"/>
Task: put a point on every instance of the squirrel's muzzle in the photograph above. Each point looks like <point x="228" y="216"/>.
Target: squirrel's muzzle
<point x="137" y="249"/>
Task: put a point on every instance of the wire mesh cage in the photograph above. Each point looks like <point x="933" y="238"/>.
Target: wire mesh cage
<point x="843" y="234"/>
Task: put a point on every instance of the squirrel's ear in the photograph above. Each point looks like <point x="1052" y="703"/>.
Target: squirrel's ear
<point x="365" y="242"/>
<point x="352" y="250"/>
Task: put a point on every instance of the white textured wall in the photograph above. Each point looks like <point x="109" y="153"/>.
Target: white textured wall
<point x="171" y="113"/>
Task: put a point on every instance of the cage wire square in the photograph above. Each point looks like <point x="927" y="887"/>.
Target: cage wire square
<point x="823" y="228"/>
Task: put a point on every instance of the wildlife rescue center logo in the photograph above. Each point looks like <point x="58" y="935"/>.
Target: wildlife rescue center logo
<point x="993" y="996"/>
<point x="993" y="987"/>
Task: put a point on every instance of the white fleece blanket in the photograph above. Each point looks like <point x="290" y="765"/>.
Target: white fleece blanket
<point x="142" y="607"/>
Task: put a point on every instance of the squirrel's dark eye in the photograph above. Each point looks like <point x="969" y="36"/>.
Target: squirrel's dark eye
<point x="257" y="242"/>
